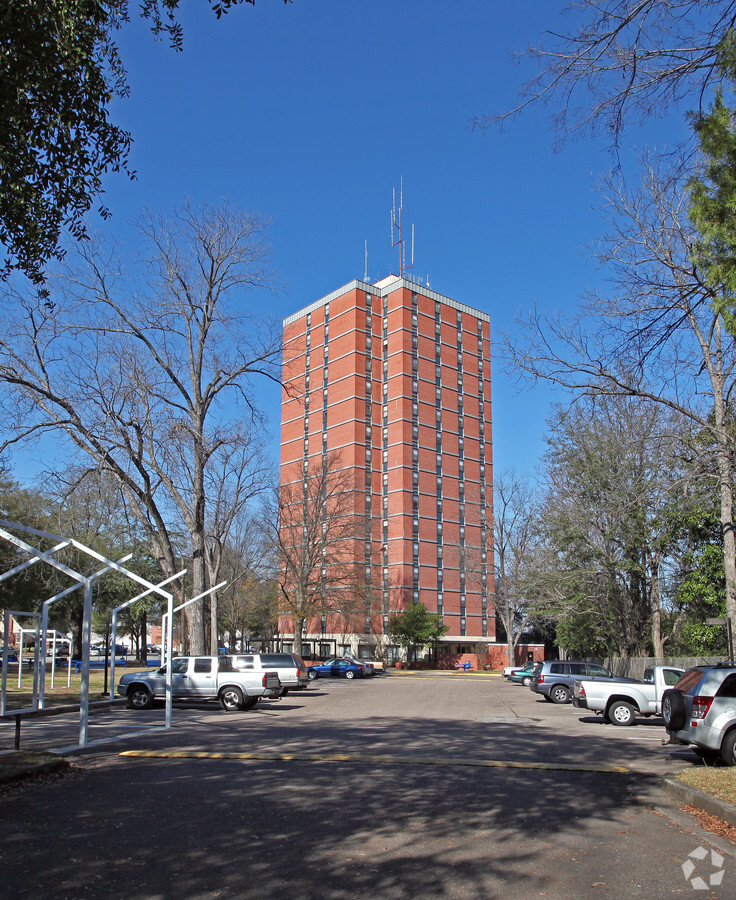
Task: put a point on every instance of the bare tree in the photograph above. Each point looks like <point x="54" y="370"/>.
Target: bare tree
<point x="149" y="373"/>
<point x="623" y="61"/>
<point x="515" y="519"/>
<point x="248" y="603"/>
<point x="659" y="336"/>
<point x="319" y="534"/>
<point x="239" y="473"/>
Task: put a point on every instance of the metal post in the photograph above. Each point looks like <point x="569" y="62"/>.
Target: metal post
<point x="730" y="641"/>
<point x="169" y="658"/>
<point x="84" y="690"/>
<point x="169" y="600"/>
<point x="107" y="647"/>
<point x="170" y="640"/>
<point x="6" y="650"/>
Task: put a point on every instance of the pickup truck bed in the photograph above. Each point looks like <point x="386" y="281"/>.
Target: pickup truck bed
<point x="620" y="702"/>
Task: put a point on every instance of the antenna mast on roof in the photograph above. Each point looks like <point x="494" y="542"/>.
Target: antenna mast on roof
<point x="397" y="239"/>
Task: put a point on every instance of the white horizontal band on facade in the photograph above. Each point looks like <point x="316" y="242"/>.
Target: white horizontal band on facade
<point x="357" y="285"/>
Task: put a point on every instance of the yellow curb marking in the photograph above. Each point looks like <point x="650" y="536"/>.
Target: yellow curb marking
<point x="397" y="760"/>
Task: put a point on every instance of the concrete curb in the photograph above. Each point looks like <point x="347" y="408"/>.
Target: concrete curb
<point x="691" y="796"/>
<point x="15" y="765"/>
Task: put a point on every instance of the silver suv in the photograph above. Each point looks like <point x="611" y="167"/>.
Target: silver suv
<point x="700" y="710"/>
<point x="554" y="680"/>
<point x="289" y="666"/>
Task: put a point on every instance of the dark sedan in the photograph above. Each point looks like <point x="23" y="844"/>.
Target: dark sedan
<point x="342" y="668"/>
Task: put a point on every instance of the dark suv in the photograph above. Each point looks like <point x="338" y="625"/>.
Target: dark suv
<point x="700" y="710"/>
<point x="554" y="680"/>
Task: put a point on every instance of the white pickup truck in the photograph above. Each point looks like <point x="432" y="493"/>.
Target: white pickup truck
<point x="201" y="678"/>
<point x="621" y="702"/>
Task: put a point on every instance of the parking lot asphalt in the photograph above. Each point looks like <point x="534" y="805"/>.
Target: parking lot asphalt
<point x="397" y="786"/>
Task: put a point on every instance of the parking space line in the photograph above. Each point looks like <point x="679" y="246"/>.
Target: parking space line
<point x="377" y="760"/>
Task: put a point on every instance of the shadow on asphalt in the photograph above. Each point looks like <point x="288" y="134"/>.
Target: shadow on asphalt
<point x="196" y="828"/>
<point x="648" y="721"/>
<point x="302" y="830"/>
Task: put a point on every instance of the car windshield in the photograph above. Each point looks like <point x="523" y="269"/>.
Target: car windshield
<point x="690" y="680"/>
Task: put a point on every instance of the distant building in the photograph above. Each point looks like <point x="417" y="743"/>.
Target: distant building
<point x="397" y="379"/>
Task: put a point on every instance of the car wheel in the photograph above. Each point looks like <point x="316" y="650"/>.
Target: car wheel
<point x="231" y="699"/>
<point x="728" y="748"/>
<point x="139" y="697"/>
<point x="284" y="692"/>
<point x="249" y="702"/>
<point x="526" y="681"/>
<point x="673" y="709"/>
<point x="311" y="674"/>
<point x="547" y="698"/>
<point x="560" y="694"/>
<point x="621" y="713"/>
<point x="350" y="674"/>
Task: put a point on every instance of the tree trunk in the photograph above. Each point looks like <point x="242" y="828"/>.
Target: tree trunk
<point x="195" y="618"/>
<point x="727" y="527"/>
<point x="656" y="604"/>
<point x="144" y="638"/>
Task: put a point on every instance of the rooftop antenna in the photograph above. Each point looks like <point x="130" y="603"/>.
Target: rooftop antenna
<point x="365" y="276"/>
<point x="397" y="238"/>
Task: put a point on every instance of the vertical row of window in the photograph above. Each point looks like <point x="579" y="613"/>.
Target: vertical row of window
<point x="438" y="449"/>
<point x="415" y="447"/>
<point x="384" y="451"/>
<point x="461" y="470"/>
<point x="368" y="548"/>
<point x="482" y="455"/>
<point x="323" y="505"/>
<point x="307" y="367"/>
<point x="325" y="381"/>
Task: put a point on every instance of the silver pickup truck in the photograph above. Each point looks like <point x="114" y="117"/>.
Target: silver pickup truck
<point x="201" y="678"/>
<point x="620" y="702"/>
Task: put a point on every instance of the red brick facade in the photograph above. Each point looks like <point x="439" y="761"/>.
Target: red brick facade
<point x="397" y="379"/>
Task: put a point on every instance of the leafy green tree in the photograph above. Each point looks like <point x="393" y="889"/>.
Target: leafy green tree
<point x="416" y="627"/>
<point x="700" y="592"/>
<point x="713" y="189"/>
<point x="59" y="72"/>
<point x="613" y="473"/>
<point x="32" y="508"/>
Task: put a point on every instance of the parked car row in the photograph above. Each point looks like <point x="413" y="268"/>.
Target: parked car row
<point x="697" y="705"/>
<point x="236" y="680"/>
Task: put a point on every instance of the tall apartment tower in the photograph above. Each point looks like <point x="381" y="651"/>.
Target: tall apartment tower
<point x="396" y="379"/>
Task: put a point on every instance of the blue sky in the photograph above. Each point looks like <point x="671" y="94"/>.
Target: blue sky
<point x="311" y="113"/>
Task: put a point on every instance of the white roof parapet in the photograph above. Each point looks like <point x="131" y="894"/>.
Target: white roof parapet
<point x="381" y="289"/>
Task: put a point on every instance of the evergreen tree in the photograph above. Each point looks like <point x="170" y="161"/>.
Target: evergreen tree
<point x="416" y="627"/>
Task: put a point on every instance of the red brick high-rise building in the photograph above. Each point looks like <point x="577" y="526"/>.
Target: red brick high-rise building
<point x="396" y="379"/>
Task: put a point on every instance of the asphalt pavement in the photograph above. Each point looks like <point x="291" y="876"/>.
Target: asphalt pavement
<point x="394" y="787"/>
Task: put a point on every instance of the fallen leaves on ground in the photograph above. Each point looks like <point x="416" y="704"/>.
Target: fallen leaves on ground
<point x="713" y="823"/>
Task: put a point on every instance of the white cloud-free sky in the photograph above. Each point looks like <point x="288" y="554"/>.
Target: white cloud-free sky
<point x="312" y="112"/>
